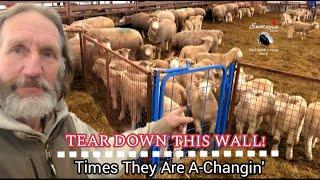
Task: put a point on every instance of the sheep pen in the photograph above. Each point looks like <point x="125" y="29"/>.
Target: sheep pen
<point x="294" y="55"/>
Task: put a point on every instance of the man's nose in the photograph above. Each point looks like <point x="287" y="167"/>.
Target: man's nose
<point x="33" y="65"/>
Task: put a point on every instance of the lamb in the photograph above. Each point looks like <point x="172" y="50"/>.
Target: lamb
<point x="289" y="119"/>
<point x="285" y="19"/>
<point x="194" y="37"/>
<point x="158" y="63"/>
<point x="203" y="104"/>
<point x="302" y="27"/>
<point x="176" y="92"/>
<point x="146" y="52"/>
<point x="188" y="25"/>
<point x="191" y="51"/>
<point x="252" y="108"/>
<point x="135" y="103"/>
<point x="99" y="69"/>
<point x="119" y="37"/>
<point x="138" y="21"/>
<point x="196" y="21"/>
<point x="218" y="13"/>
<point x="239" y="14"/>
<point x="311" y="128"/>
<point x="260" y="9"/>
<point x="246" y="11"/>
<point x="160" y="33"/>
<point x="222" y="59"/>
<point x="228" y="17"/>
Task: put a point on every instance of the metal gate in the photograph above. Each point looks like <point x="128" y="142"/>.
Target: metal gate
<point x="224" y="96"/>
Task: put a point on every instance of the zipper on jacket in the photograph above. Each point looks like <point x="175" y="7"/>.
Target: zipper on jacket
<point x="49" y="160"/>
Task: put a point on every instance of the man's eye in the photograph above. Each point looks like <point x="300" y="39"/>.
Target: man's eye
<point x="48" y="54"/>
<point x="17" y="50"/>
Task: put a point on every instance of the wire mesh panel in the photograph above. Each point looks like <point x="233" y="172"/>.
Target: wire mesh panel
<point x="277" y="104"/>
<point x="202" y="94"/>
<point x="122" y="86"/>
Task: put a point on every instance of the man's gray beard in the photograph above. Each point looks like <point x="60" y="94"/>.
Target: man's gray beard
<point x="32" y="106"/>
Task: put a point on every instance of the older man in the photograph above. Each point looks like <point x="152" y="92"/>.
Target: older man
<point x="35" y="72"/>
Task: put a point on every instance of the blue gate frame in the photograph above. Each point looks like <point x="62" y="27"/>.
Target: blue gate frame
<point x="224" y="98"/>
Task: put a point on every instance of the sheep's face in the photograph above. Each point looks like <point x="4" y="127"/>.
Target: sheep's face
<point x="149" y="50"/>
<point x="99" y="67"/>
<point x="250" y="96"/>
<point x="155" y="23"/>
<point x="124" y="52"/>
<point x="174" y="63"/>
<point x="124" y="19"/>
<point x="281" y="100"/>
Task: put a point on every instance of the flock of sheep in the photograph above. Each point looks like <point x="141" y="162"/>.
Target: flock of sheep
<point x="294" y="18"/>
<point x="179" y="30"/>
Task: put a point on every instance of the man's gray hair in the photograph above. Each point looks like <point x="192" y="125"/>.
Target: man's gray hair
<point x="65" y="74"/>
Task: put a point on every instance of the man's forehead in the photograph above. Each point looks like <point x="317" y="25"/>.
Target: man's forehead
<point x="30" y="21"/>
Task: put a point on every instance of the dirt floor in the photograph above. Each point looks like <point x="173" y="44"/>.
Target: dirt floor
<point x="293" y="55"/>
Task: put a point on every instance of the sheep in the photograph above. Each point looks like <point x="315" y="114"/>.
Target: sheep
<point x="239" y="14"/>
<point x="135" y="103"/>
<point x="191" y="11"/>
<point x="285" y="19"/>
<point x="146" y="52"/>
<point x="176" y="92"/>
<point x="88" y="23"/>
<point x="158" y="63"/>
<point x="163" y="14"/>
<point x="194" y="37"/>
<point x="252" y="108"/>
<point x="311" y="128"/>
<point x="196" y="21"/>
<point x="289" y="119"/>
<point x="119" y="37"/>
<point x="246" y="11"/>
<point x="191" y="51"/>
<point x="260" y="9"/>
<point x="232" y="8"/>
<point x="138" y="21"/>
<point x="260" y="85"/>
<point x="120" y="65"/>
<point x="183" y="15"/>
<point x="222" y="59"/>
<point x="95" y="22"/>
<point x="218" y="13"/>
<point x="188" y="25"/>
<point x="302" y="27"/>
<point x="99" y="69"/>
<point x="200" y="11"/>
<point x="160" y="33"/>
<point x="228" y="17"/>
<point x="252" y="11"/>
<point x="203" y="104"/>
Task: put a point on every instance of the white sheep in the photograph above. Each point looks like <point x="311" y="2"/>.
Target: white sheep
<point x="191" y="51"/>
<point x="253" y="106"/>
<point x="229" y="17"/>
<point x="285" y="19"/>
<point x="301" y="27"/>
<point x="289" y="120"/>
<point x="137" y="102"/>
<point x="204" y="106"/>
<point x="219" y="58"/>
<point x="311" y="128"/>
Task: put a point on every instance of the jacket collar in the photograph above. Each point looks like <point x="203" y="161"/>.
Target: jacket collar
<point x="22" y="130"/>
